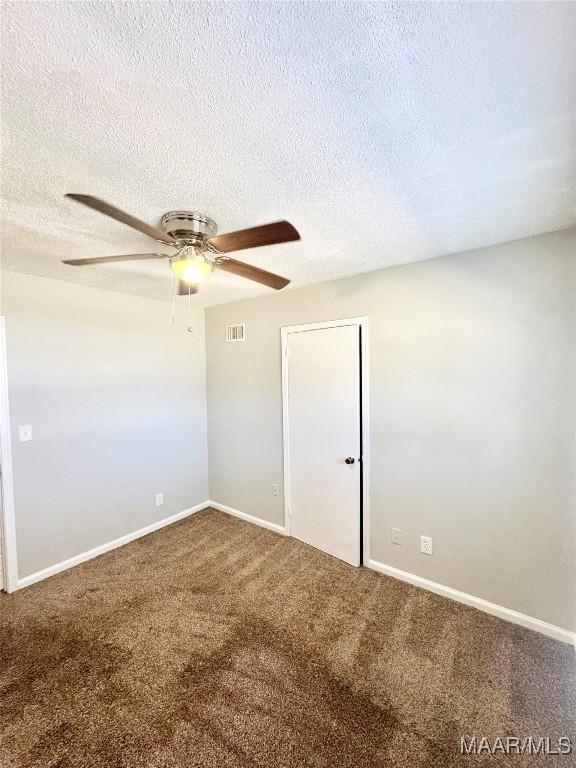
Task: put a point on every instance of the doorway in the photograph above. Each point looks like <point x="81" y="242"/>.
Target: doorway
<point x="324" y="395"/>
<point x="8" y="566"/>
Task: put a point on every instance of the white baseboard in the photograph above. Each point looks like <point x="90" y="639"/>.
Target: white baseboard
<point x="537" y="625"/>
<point x="564" y="635"/>
<point x="249" y="518"/>
<point x="103" y="548"/>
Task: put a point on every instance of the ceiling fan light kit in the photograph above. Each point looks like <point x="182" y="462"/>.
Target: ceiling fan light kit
<point x="199" y="250"/>
<point x="191" y="266"/>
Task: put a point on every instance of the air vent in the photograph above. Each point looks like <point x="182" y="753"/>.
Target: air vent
<point x="236" y="332"/>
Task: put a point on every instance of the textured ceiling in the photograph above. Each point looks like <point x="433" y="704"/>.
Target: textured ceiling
<point x="387" y="133"/>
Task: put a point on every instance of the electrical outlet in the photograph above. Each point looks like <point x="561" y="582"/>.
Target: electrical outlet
<point x="275" y="489"/>
<point x="159" y="499"/>
<point x="395" y="536"/>
<point x="426" y="545"/>
<point x="25" y="433"/>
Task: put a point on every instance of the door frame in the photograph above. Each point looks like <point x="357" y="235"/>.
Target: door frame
<point x="362" y="324"/>
<point x="7" y="509"/>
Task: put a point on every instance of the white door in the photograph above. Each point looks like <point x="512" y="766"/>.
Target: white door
<point x="324" y="439"/>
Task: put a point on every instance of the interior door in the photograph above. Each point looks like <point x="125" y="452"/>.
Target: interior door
<point x="324" y="439"/>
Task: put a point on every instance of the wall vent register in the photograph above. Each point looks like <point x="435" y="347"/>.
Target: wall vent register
<point x="236" y="332"/>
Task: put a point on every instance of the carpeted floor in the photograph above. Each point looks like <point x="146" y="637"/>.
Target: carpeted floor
<point x="217" y="643"/>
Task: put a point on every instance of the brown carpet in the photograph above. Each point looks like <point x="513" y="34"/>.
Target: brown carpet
<point x="217" y="643"/>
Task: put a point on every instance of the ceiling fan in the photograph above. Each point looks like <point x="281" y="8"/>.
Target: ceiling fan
<point x="199" y="250"/>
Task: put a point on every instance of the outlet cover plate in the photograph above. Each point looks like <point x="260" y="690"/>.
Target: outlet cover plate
<point x="426" y="545"/>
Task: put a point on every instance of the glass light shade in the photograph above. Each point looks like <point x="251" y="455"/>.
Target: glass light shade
<point x="194" y="270"/>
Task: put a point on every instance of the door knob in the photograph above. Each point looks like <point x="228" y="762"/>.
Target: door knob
<point x="350" y="460"/>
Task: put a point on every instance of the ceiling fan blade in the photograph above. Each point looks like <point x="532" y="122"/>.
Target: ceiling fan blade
<point x="111" y="259"/>
<point x="125" y="218"/>
<point x="184" y="289"/>
<point x="253" y="273"/>
<point x="267" y="234"/>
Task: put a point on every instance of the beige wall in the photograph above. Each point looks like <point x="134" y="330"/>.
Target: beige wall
<point x="116" y="399"/>
<point x="472" y="415"/>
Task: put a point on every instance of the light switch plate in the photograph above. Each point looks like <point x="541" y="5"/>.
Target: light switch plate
<point x="25" y="433"/>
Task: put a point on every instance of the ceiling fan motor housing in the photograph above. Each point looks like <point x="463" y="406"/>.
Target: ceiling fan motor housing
<point x="189" y="227"/>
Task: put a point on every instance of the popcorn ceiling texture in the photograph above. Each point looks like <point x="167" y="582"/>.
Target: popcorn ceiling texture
<point x="387" y="133"/>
